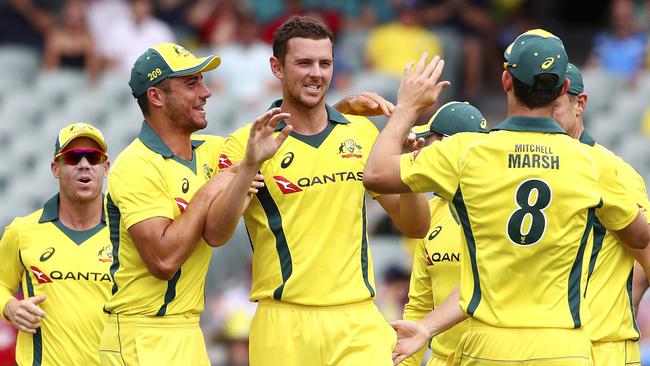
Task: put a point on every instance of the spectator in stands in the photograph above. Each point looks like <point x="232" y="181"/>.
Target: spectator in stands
<point x="24" y="22"/>
<point x="127" y="38"/>
<point x="69" y="45"/>
<point x="215" y="20"/>
<point x="393" y="45"/>
<point x="469" y="20"/>
<point x="244" y="84"/>
<point x="620" y="50"/>
<point x="393" y="293"/>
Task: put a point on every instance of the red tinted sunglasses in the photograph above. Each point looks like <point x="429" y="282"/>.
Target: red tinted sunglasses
<point x="74" y="156"/>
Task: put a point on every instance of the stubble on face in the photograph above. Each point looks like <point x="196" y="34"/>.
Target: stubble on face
<point x="307" y="71"/>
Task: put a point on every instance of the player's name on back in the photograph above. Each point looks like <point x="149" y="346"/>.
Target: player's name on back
<point x="533" y="156"/>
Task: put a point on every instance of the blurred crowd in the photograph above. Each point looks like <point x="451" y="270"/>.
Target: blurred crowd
<point x="100" y="39"/>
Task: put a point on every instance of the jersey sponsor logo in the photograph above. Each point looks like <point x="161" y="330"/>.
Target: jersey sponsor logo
<point x="285" y="185"/>
<point x="224" y="162"/>
<point x="47" y="254"/>
<point x="207" y="171"/>
<point x="41" y="277"/>
<point x="105" y="254"/>
<point x="78" y="276"/>
<point x="350" y="149"/>
<point x="330" y="178"/>
<point x="185" y="186"/>
<point x="181" y="203"/>
<point x="435" y="232"/>
<point x="287" y="159"/>
<point x="439" y="257"/>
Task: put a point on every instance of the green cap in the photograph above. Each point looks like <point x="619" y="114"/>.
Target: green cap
<point x="575" y="77"/>
<point x="536" y="52"/>
<point x="166" y="60"/>
<point x="452" y="118"/>
<point x="76" y="130"/>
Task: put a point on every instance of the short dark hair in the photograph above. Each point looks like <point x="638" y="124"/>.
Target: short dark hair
<point x="143" y="100"/>
<point x="298" y="27"/>
<point x="541" y="95"/>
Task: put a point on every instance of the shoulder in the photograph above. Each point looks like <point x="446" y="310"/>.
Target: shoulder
<point x="360" y="123"/>
<point x="210" y="141"/>
<point x="23" y="222"/>
<point x="241" y="134"/>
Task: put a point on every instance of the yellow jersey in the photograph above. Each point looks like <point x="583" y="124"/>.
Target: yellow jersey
<point x="609" y="288"/>
<point x="307" y="226"/>
<point x="147" y="180"/>
<point x="436" y="272"/>
<point x="72" y="269"/>
<point x="526" y="195"/>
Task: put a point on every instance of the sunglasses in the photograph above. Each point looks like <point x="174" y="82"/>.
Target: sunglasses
<point x="74" y="156"/>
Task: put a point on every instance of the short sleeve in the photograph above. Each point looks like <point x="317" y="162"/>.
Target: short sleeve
<point x="235" y="147"/>
<point x="139" y="190"/>
<point x="435" y="168"/>
<point x="618" y="208"/>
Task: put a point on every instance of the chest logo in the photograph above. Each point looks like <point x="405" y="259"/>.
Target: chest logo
<point x="47" y="254"/>
<point x="285" y="185"/>
<point x="105" y="254"/>
<point x="41" y="277"/>
<point x="350" y="149"/>
<point x="185" y="186"/>
<point x="435" y="232"/>
<point x="181" y="203"/>
<point x="224" y="162"/>
<point x="207" y="171"/>
<point x="287" y="159"/>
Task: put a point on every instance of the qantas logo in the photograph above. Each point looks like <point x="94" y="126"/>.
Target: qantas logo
<point x="224" y="162"/>
<point x="285" y="186"/>
<point x="182" y="204"/>
<point x="41" y="277"/>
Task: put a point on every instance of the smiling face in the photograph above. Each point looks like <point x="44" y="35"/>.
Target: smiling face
<point x="82" y="182"/>
<point x="306" y="71"/>
<point x="183" y="101"/>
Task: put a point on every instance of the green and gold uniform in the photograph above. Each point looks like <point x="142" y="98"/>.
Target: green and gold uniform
<point x="612" y="328"/>
<point x="72" y="269"/>
<point x="312" y="267"/>
<point x="526" y="195"/>
<point x="147" y="180"/>
<point x="436" y="272"/>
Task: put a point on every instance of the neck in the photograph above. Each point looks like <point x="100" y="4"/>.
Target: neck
<point x="578" y="129"/>
<point x="80" y="216"/>
<point x="516" y="109"/>
<point x="179" y="141"/>
<point x="305" y="120"/>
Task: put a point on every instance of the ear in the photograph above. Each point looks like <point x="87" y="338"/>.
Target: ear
<point x="506" y="81"/>
<point x="565" y="86"/>
<point x="54" y="166"/>
<point x="155" y="96"/>
<point x="582" y="102"/>
<point x="276" y="67"/>
<point x="106" y="166"/>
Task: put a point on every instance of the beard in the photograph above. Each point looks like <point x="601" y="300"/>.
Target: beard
<point x="182" y="116"/>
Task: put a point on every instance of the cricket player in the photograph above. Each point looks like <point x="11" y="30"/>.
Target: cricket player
<point x="61" y="255"/>
<point x="526" y="195"/>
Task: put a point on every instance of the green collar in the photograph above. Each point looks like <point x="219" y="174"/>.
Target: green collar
<point x="150" y="139"/>
<point x="51" y="214"/>
<point x="51" y="210"/>
<point x="332" y="115"/>
<point x="586" y="138"/>
<point x="530" y="124"/>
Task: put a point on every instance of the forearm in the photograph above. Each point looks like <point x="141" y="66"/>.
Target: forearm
<point x="382" y="166"/>
<point x="445" y="316"/>
<point x="5" y="297"/>
<point x="640" y="285"/>
<point x="225" y="211"/>
<point x="414" y="215"/>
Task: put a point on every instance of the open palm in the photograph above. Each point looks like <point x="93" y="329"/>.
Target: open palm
<point x="262" y="144"/>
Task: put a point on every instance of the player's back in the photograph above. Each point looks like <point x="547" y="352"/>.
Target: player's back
<point x="526" y="196"/>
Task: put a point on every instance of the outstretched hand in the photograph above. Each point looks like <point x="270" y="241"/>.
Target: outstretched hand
<point x="365" y="104"/>
<point x="262" y="145"/>
<point x="420" y="88"/>
<point x="411" y="337"/>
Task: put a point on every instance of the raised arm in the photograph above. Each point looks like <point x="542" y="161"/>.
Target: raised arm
<point x="418" y="91"/>
<point x="227" y="208"/>
<point x="409" y="211"/>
